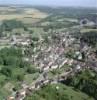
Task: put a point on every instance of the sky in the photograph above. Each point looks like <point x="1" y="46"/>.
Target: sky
<point x="81" y="3"/>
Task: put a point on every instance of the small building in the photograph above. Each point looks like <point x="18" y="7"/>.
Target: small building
<point x="10" y="98"/>
<point x="54" y="66"/>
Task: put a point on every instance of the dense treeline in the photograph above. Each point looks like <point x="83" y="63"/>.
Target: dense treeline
<point x="12" y="65"/>
<point x="71" y="12"/>
<point x="57" y="92"/>
<point x="9" y="25"/>
<point x="85" y="81"/>
<point x="65" y="9"/>
<point x="59" y="25"/>
<point x="14" y="69"/>
<point x="10" y="56"/>
<point x="90" y="38"/>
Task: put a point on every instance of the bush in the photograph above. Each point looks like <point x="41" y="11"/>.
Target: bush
<point x="20" y="77"/>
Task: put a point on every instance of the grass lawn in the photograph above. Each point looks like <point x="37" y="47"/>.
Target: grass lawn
<point x="18" y="71"/>
<point x="29" y="78"/>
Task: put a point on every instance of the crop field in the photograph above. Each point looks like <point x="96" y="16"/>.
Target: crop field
<point x="88" y="30"/>
<point x="26" y="15"/>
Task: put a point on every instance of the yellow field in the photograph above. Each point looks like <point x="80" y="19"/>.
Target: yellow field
<point x="88" y="30"/>
<point x="18" y="16"/>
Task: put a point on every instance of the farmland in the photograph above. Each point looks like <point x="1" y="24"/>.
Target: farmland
<point x="22" y="14"/>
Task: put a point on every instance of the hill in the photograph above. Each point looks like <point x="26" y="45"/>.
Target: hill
<point x="58" y="92"/>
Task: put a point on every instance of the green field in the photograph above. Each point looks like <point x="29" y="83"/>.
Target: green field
<point x="29" y="78"/>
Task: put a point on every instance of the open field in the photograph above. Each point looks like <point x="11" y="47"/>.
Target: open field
<point x="88" y="30"/>
<point x="26" y="15"/>
<point x="18" y="16"/>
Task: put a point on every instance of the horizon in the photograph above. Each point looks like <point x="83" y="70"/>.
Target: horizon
<point x="52" y="3"/>
<point x="51" y="6"/>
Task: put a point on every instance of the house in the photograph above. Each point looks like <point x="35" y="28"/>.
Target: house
<point x="46" y="82"/>
<point x="46" y="68"/>
<point x="24" y="86"/>
<point x="54" y="66"/>
<point x="78" y="67"/>
<point x="64" y="62"/>
<point x="78" y="55"/>
<point x="23" y="92"/>
<point x="70" y="62"/>
<point x="32" y="87"/>
<point x="20" y="95"/>
<point x="10" y="98"/>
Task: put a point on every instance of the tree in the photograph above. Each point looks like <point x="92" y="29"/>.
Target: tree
<point x="20" y="77"/>
<point x="8" y="25"/>
<point x="31" y="70"/>
<point x="86" y="82"/>
<point x="90" y="38"/>
<point x="1" y="61"/>
<point x="6" y="71"/>
<point x="35" y="38"/>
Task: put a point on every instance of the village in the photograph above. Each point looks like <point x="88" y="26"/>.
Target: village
<point x="52" y="56"/>
<point x="45" y="46"/>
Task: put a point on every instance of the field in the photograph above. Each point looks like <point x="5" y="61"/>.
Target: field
<point x="88" y="30"/>
<point x="23" y="14"/>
